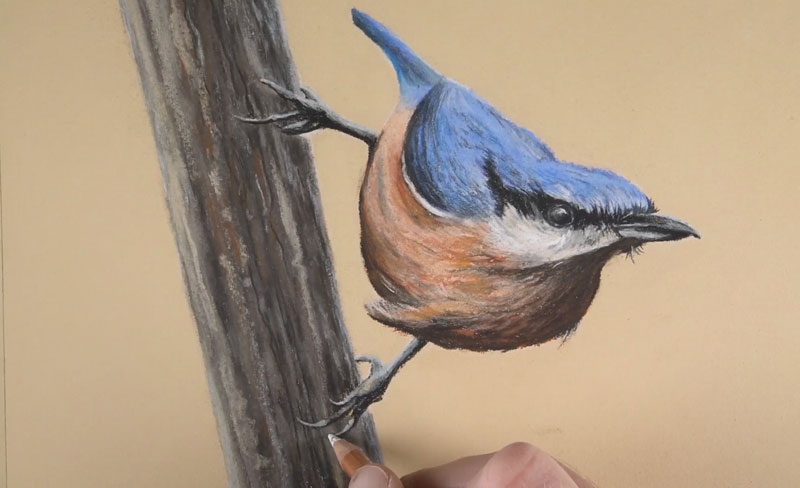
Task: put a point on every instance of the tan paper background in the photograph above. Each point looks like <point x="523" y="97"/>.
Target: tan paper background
<point x="684" y="372"/>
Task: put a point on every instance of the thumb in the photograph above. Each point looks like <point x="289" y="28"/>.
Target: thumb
<point x="375" y="476"/>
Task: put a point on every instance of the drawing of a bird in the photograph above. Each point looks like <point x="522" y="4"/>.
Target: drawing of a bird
<point x="474" y="234"/>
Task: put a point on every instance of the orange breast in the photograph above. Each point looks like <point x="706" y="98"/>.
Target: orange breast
<point x="412" y="255"/>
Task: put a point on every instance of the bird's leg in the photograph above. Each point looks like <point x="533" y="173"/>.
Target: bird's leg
<point x="310" y="114"/>
<point x="369" y="390"/>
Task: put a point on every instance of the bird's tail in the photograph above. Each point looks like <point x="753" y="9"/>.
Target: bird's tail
<point x="414" y="75"/>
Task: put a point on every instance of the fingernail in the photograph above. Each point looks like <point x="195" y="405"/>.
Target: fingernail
<point x="370" y="477"/>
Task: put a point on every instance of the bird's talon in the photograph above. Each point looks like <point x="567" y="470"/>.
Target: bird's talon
<point x="339" y="414"/>
<point x="288" y="116"/>
<point x="350" y="424"/>
<point x="305" y="99"/>
<point x="374" y="362"/>
<point x="280" y="90"/>
<point x="317" y="425"/>
<point x="339" y="403"/>
<point x="364" y="387"/>
<point x="300" y="127"/>
<point x="309" y="94"/>
<point x="344" y="401"/>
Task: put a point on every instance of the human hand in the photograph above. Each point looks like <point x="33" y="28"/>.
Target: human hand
<point x="518" y="465"/>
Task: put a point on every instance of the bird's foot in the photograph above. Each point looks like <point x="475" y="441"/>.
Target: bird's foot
<point x="370" y="390"/>
<point x="355" y="404"/>
<point x="310" y="113"/>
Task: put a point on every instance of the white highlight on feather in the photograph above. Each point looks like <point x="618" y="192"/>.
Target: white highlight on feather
<point x="422" y="201"/>
<point x="531" y="241"/>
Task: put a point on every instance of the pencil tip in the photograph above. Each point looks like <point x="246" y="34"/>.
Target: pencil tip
<point x="333" y="438"/>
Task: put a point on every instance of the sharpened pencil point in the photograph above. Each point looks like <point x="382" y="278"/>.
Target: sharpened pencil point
<point x="350" y="456"/>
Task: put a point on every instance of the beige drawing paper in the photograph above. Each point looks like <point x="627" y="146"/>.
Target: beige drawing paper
<point x="682" y="373"/>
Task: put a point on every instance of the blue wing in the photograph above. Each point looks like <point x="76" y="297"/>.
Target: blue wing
<point x="454" y="135"/>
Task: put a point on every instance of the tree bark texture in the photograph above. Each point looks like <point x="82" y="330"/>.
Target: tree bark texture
<point x="245" y="210"/>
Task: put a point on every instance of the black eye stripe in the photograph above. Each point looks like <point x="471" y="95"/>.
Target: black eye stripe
<point x="536" y="204"/>
<point x="508" y="197"/>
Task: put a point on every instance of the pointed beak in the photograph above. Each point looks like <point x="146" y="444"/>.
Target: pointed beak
<point x="652" y="228"/>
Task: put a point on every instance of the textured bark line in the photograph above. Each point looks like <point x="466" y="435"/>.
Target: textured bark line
<point x="244" y="206"/>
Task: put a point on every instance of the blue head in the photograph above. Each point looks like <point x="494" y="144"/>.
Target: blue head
<point x="468" y="161"/>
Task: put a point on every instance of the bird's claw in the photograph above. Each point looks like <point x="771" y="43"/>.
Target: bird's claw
<point x="375" y="366"/>
<point x="369" y="391"/>
<point x="374" y="362"/>
<point x="309" y="115"/>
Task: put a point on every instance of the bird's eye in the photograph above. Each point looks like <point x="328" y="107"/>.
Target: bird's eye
<point x="559" y="215"/>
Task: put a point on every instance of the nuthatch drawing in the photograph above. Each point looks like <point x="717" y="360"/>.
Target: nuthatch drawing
<point x="474" y="234"/>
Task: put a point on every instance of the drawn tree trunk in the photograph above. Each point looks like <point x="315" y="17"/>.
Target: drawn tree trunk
<point x="245" y="210"/>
